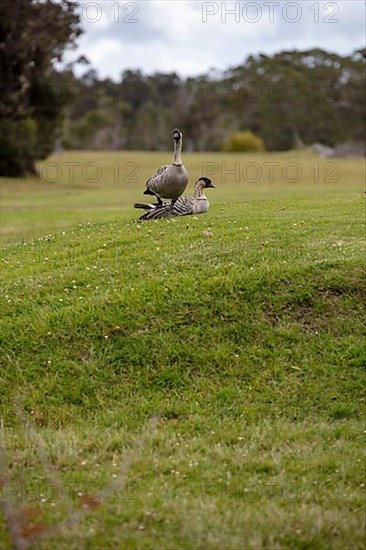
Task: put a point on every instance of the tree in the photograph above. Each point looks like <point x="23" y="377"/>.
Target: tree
<point x="33" y="36"/>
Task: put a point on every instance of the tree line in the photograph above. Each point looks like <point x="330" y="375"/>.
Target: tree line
<point x="285" y="100"/>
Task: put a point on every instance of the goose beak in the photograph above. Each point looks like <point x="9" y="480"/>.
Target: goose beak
<point x="210" y="184"/>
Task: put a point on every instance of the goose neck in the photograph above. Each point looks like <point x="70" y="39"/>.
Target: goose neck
<point x="177" y="158"/>
<point x="199" y="193"/>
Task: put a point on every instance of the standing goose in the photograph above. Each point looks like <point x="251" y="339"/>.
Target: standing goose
<point x="183" y="206"/>
<point x="169" y="181"/>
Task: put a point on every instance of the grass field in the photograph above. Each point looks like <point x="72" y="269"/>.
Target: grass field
<point x="188" y="383"/>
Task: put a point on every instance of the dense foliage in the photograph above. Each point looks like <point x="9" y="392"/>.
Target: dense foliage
<point x="286" y="99"/>
<point x="33" y="35"/>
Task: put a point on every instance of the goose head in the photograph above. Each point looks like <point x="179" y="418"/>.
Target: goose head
<point x="177" y="135"/>
<point x="204" y="183"/>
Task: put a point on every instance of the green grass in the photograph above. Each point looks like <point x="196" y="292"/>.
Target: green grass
<point x="241" y="331"/>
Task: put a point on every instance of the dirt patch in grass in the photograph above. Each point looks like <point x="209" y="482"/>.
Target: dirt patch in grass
<point x="316" y="305"/>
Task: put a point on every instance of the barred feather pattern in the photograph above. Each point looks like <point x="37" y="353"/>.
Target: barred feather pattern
<point x="183" y="206"/>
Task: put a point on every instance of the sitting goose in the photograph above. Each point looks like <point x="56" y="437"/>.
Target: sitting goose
<point x="183" y="206"/>
<point x="169" y="181"/>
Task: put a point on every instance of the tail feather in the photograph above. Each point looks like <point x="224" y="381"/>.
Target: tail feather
<point x="143" y="206"/>
<point x="156" y="214"/>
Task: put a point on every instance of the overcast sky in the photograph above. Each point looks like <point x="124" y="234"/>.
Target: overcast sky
<point x="191" y="37"/>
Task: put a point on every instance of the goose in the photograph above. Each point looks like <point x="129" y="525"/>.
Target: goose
<point x="183" y="206"/>
<point x="169" y="181"/>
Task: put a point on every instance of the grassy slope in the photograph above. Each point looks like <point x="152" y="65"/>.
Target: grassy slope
<point x="247" y="344"/>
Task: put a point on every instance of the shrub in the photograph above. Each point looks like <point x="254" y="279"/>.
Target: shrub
<point x="244" y="142"/>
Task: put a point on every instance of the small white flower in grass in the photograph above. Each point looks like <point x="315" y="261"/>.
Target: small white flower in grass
<point x="49" y="361"/>
<point x="83" y="463"/>
<point x="106" y="336"/>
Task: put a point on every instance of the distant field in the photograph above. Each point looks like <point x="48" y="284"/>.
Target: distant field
<point x="191" y="383"/>
<point x="90" y="186"/>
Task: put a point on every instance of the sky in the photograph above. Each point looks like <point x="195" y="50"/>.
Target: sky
<point x="192" y="37"/>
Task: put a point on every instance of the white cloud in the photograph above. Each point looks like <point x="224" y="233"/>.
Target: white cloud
<point x="171" y="35"/>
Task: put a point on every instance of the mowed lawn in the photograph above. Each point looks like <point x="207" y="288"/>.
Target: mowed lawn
<point x="78" y="187"/>
<point x="188" y="383"/>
